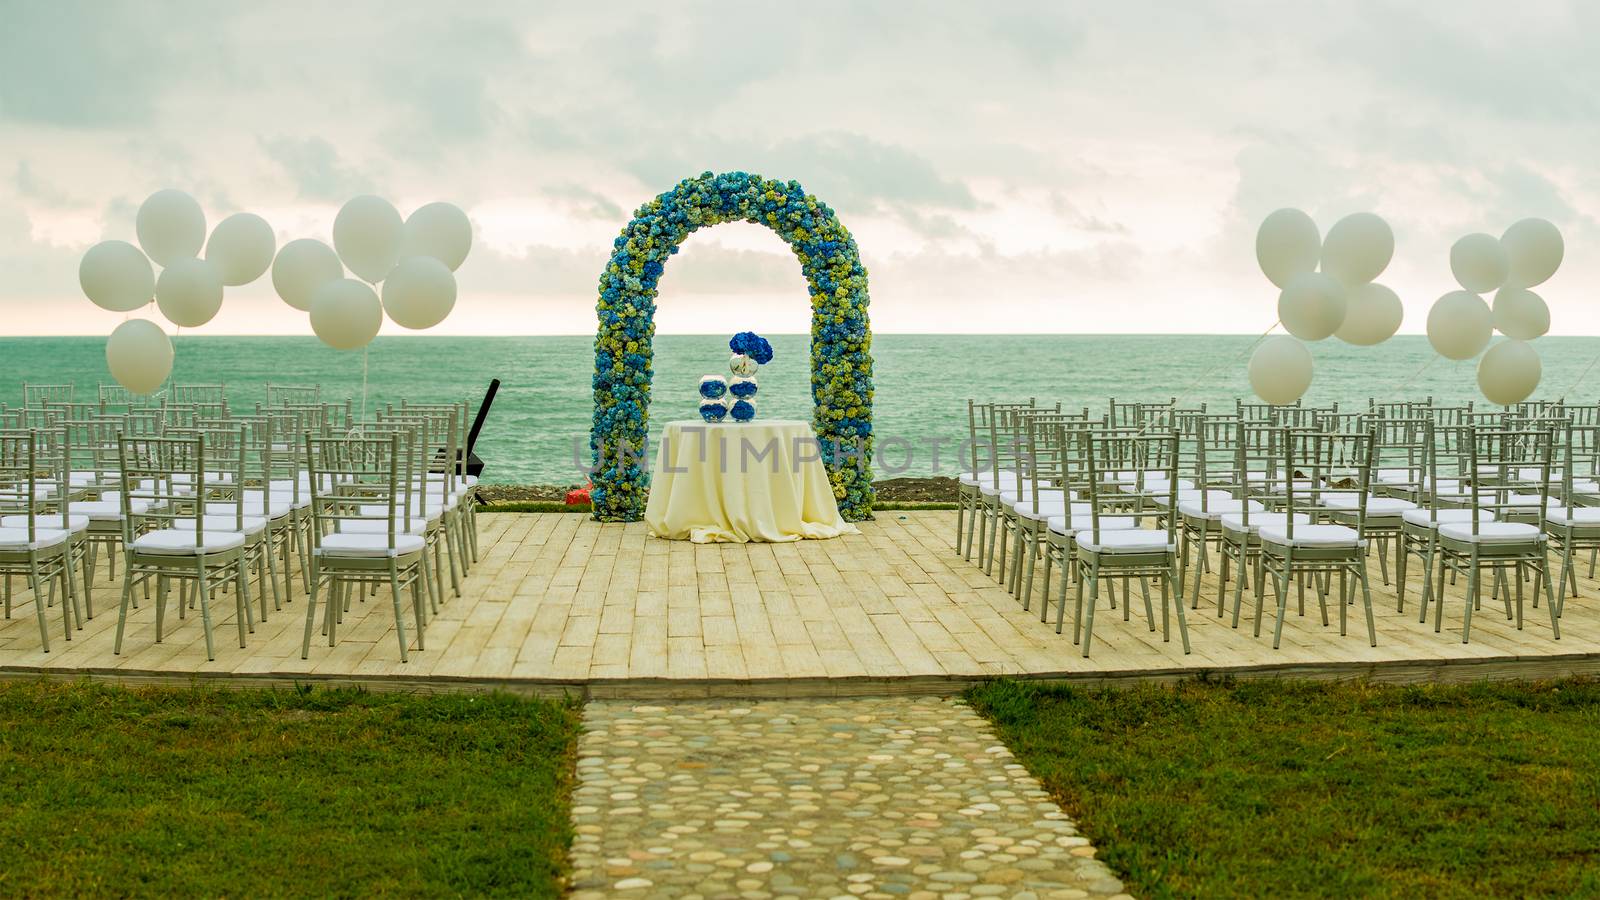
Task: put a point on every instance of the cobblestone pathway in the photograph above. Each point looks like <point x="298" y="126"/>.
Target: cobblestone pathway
<point x="895" y="798"/>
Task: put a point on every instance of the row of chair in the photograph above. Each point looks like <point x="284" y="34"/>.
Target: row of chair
<point x="1294" y="496"/>
<point x="193" y="495"/>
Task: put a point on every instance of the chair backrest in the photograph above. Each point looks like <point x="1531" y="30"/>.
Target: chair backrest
<point x="213" y="394"/>
<point x="1258" y="467"/>
<point x="438" y="442"/>
<point x="116" y="398"/>
<point x="161" y="478"/>
<point x="1130" y="471"/>
<point x="1208" y="454"/>
<point x="228" y="467"/>
<point x="69" y="411"/>
<point x="1402" y="450"/>
<point x="1575" y="463"/>
<point x="33" y="478"/>
<point x="1263" y="413"/>
<point x="1511" y="472"/>
<point x="293" y="394"/>
<point x="1315" y="462"/>
<point x="1008" y="443"/>
<point x="1399" y="409"/>
<point x="1048" y="469"/>
<point x="39" y="394"/>
<point x="349" y="476"/>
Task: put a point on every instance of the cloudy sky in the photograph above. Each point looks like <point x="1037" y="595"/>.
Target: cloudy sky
<point x="1059" y="167"/>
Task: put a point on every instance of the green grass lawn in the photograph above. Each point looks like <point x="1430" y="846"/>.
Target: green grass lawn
<point x="108" y="791"/>
<point x="1298" y="789"/>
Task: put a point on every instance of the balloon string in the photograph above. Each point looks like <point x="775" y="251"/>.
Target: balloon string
<point x="1184" y="394"/>
<point x="1417" y="374"/>
<point x="1585" y="374"/>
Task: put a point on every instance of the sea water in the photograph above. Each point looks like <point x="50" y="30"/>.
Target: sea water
<point x="537" y="430"/>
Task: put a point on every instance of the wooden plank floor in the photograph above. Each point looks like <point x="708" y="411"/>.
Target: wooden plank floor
<point x="561" y="603"/>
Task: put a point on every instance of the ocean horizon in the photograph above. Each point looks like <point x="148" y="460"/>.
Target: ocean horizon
<point x="538" y="429"/>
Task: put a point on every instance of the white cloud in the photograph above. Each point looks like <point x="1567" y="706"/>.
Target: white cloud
<point x="1065" y="167"/>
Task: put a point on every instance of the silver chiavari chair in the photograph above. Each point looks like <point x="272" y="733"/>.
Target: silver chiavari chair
<point x="1128" y="553"/>
<point x="1293" y="549"/>
<point x="351" y="476"/>
<point x="168" y="538"/>
<point x="33" y="544"/>
<point x="1513" y="541"/>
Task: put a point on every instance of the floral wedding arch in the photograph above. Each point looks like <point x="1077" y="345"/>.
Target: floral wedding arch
<point x="841" y="338"/>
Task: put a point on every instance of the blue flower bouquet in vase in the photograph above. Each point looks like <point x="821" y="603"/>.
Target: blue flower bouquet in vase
<point x="713" y="398"/>
<point x="750" y="351"/>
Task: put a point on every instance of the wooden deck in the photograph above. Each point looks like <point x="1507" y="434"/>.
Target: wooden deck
<point x="560" y="603"/>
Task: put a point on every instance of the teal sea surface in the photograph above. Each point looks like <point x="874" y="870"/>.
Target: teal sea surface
<point x="538" y="429"/>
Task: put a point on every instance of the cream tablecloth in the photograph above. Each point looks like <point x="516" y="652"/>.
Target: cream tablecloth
<point x="734" y="482"/>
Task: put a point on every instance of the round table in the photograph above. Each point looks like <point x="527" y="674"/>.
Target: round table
<point x="734" y="482"/>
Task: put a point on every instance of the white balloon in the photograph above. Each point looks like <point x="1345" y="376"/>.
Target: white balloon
<point x="1372" y="317"/>
<point x="115" y="275"/>
<point x="1459" y="325"/>
<point x="303" y="266"/>
<point x="1358" y="248"/>
<point x="1287" y="244"/>
<point x="1313" y="306"/>
<point x="1520" y="313"/>
<point x="439" y="230"/>
<point x="171" y="226"/>
<point x="189" y="292"/>
<point x="139" y="355"/>
<point x="1509" y="372"/>
<point x="419" y="293"/>
<point x="1280" y="370"/>
<point x="367" y="233"/>
<point x="346" y="314"/>
<point x="241" y="246"/>
<point x="1479" y="263"/>
<point x="1534" y="249"/>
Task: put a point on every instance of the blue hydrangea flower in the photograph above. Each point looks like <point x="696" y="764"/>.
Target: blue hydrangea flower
<point x="742" y="410"/>
<point x="713" y="412"/>
<point x="713" y="388"/>
<point x="742" y="389"/>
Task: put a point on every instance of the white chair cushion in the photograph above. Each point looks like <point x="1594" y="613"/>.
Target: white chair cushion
<point x="75" y="523"/>
<point x="303" y="502"/>
<point x="1525" y="503"/>
<point x="381" y="526"/>
<point x="1492" y="532"/>
<point x="1126" y="540"/>
<point x="270" y="506"/>
<point x="15" y="539"/>
<point x="1398" y="476"/>
<point x="1235" y="521"/>
<point x="1082" y="520"/>
<point x="223" y="522"/>
<point x="1312" y="535"/>
<point x="366" y="546"/>
<point x="217" y="478"/>
<point x="104" y="510"/>
<point x="1349" y="501"/>
<point x="1047" y="507"/>
<point x="1574" y="515"/>
<point x="986" y="477"/>
<point x="1443" y="516"/>
<point x="1008" y="497"/>
<point x="181" y="542"/>
<point x="1215" y="508"/>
